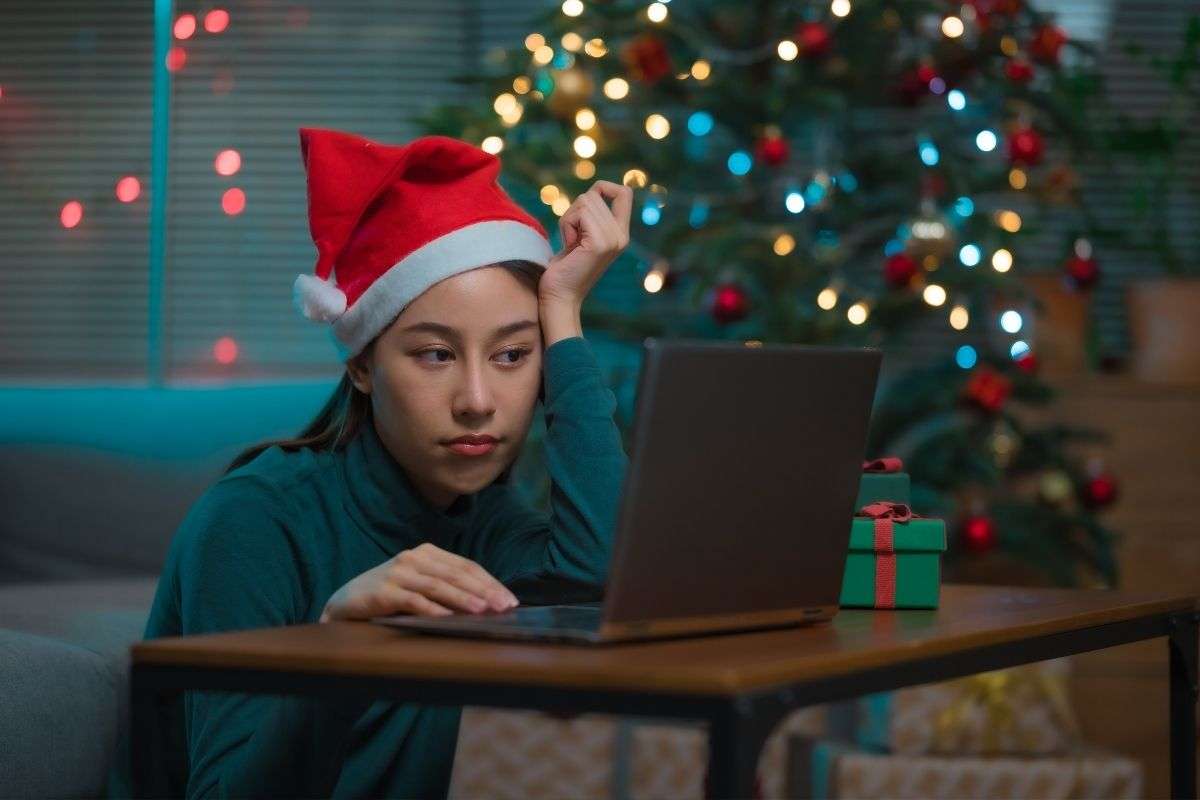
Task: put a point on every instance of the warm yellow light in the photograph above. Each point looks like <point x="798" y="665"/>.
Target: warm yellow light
<point x="934" y="295"/>
<point x="656" y="12"/>
<point x="952" y="27"/>
<point x="560" y="205"/>
<point x="549" y="193"/>
<point x="572" y="8"/>
<point x="959" y="318"/>
<point x="634" y="178"/>
<point x="543" y="55"/>
<point x="1009" y="46"/>
<point x="657" y="126"/>
<point x="572" y="41"/>
<point x="784" y="244"/>
<point x="533" y="41"/>
<point x="585" y="119"/>
<point x="788" y="50"/>
<point x="828" y="298"/>
<point x="616" y="88"/>
<point x="584" y="169"/>
<point x="1009" y="220"/>
<point x="701" y="69"/>
<point x="505" y="104"/>
<point x="595" y="48"/>
<point x="653" y="281"/>
<point x="522" y="84"/>
<point x="585" y="146"/>
<point x="840" y="8"/>
<point x="857" y="313"/>
<point x="1002" y="260"/>
<point x="1017" y="178"/>
<point x="492" y="144"/>
<point x="513" y="118"/>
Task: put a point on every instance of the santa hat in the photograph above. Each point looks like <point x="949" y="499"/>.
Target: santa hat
<point x="389" y="221"/>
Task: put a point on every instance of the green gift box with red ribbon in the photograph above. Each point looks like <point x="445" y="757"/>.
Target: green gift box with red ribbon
<point x="883" y="479"/>
<point x="895" y="558"/>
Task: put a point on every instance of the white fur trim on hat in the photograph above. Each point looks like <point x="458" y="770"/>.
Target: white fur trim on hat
<point x="460" y="250"/>
<point x="318" y="299"/>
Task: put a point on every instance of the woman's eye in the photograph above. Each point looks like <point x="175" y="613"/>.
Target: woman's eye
<point x="511" y="356"/>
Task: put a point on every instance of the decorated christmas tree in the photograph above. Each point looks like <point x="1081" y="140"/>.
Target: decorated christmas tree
<point x="862" y="173"/>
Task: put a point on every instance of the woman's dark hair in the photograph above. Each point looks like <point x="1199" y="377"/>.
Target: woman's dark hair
<point x="338" y="421"/>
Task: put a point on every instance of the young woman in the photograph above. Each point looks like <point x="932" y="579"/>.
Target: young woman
<point x="454" y="318"/>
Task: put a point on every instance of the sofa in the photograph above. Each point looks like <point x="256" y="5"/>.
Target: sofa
<point x="93" y="483"/>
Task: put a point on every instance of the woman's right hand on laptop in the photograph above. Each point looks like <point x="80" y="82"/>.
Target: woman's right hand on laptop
<point x="425" y="580"/>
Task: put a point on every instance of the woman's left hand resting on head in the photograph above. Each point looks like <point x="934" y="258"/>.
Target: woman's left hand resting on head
<point x="593" y="236"/>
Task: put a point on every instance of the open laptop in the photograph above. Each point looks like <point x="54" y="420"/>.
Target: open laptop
<point x="737" y="504"/>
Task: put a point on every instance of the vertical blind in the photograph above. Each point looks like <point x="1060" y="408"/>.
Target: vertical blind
<point x="75" y="117"/>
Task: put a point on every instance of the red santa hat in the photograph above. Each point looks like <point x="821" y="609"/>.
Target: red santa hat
<point x="389" y="221"/>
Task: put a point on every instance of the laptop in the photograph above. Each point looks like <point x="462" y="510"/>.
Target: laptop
<point x="736" y="507"/>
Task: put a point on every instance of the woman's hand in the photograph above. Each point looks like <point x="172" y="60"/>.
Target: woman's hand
<point x="593" y="236"/>
<point x="425" y="580"/>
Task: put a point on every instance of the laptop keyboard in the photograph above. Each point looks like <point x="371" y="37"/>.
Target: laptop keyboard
<point x="575" y="617"/>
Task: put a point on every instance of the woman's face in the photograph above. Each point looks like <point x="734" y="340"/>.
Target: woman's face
<point x="465" y="357"/>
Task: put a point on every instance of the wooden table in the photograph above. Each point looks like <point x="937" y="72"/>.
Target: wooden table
<point x="741" y="684"/>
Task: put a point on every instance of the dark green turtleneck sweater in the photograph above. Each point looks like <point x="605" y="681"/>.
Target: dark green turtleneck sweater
<point x="271" y="541"/>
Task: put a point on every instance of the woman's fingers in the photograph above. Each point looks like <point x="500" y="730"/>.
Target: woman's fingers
<point x="439" y="590"/>
<point x="622" y="200"/>
<point x="397" y="599"/>
<point x="487" y="592"/>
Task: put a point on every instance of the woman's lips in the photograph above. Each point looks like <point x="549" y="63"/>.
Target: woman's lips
<point x="462" y="448"/>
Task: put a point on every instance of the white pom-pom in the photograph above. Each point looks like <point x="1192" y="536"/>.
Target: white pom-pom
<point x="318" y="299"/>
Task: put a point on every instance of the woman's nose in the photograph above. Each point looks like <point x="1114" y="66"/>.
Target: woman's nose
<point x="474" y="396"/>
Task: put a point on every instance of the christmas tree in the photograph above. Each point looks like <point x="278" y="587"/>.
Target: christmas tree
<point x="842" y="173"/>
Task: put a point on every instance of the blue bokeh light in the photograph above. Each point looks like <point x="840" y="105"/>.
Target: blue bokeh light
<point x="700" y="123"/>
<point x="966" y="357"/>
<point x="964" y="206"/>
<point x="970" y="254"/>
<point x="651" y="214"/>
<point x="739" y="162"/>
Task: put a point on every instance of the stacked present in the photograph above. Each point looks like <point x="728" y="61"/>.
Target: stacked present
<point x="1003" y="734"/>
<point x="895" y="557"/>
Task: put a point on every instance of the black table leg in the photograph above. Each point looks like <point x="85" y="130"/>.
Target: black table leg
<point x="736" y="737"/>
<point x="1182" y="646"/>
<point x="147" y="739"/>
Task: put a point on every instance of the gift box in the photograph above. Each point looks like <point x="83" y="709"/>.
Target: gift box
<point x="530" y="754"/>
<point x="895" y="559"/>
<point x="1024" y="710"/>
<point x="883" y="479"/>
<point x="844" y="772"/>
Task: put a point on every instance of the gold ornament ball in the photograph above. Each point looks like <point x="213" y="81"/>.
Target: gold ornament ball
<point x="572" y="89"/>
<point x="1055" y="487"/>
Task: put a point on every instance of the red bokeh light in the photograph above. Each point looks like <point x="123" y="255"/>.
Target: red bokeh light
<point x="185" y="26"/>
<point x="228" y="162"/>
<point x="225" y="351"/>
<point x="176" y="58"/>
<point x="233" y="201"/>
<point x="71" y="214"/>
<point x="216" y="20"/>
<point x="128" y="189"/>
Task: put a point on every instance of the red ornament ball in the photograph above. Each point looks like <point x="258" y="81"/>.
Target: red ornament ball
<point x="1028" y="363"/>
<point x="899" y="270"/>
<point x="730" y="303"/>
<point x="774" y="150"/>
<point x="1025" y="146"/>
<point x="979" y="534"/>
<point x="813" y="39"/>
<point x="1046" y="43"/>
<point x="1100" y="491"/>
<point x="988" y="389"/>
<point x="1082" y="273"/>
<point x="647" y="58"/>
<point x="1018" y="70"/>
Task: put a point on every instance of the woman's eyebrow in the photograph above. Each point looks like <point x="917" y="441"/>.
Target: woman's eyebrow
<point x="453" y="333"/>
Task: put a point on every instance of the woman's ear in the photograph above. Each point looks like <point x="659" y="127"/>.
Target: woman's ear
<point x="359" y="370"/>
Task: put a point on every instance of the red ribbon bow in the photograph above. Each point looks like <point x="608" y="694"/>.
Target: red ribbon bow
<point x="885" y="464"/>
<point x="886" y="514"/>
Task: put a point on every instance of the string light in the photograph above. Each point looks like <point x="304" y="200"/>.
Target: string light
<point x="656" y="12"/>
<point x="857" y="313"/>
<point x="840" y="8"/>
<point x="492" y="144"/>
<point x="934" y="295"/>
<point x="128" y="189"/>
<point x="549" y="193"/>
<point x="584" y="169"/>
<point x="634" y="178"/>
<point x="595" y="48"/>
<point x="543" y="55"/>
<point x="560" y="205"/>
<point x="827" y="298"/>
<point x="1010" y="321"/>
<point x="1017" y="178"/>
<point x="185" y="26"/>
<point x="71" y="214"/>
<point x="655" y="278"/>
<point x="616" y="88"/>
<point x="1009" y="220"/>
<point x="959" y="318"/>
<point x="985" y="140"/>
<point x="585" y="146"/>
<point x="572" y="8"/>
<point x="227" y="162"/>
<point x="505" y="104"/>
<point x="572" y="41"/>
<point x="225" y="350"/>
<point x="1002" y="260"/>
<point x="657" y="126"/>
<point x="216" y="21"/>
<point x="952" y="27"/>
<point x="784" y="244"/>
<point x="701" y="70"/>
<point x="533" y="41"/>
<point x="585" y="119"/>
<point x="233" y="202"/>
<point x="788" y="50"/>
<point x="965" y="356"/>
